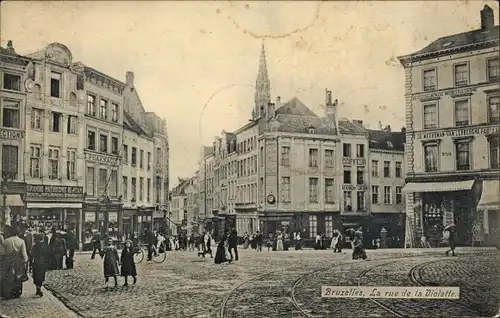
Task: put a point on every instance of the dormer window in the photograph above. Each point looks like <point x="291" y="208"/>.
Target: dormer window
<point x="311" y="130"/>
<point x="390" y="145"/>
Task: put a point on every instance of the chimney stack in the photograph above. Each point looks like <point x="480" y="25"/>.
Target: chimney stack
<point x="487" y="18"/>
<point x="130" y="78"/>
<point x="330" y="108"/>
<point x="387" y="128"/>
<point x="10" y="47"/>
<point x="403" y="130"/>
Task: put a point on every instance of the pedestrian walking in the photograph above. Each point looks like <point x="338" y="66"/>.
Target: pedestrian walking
<point x="60" y="250"/>
<point x="149" y="238"/>
<point x="39" y="261"/>
<point x="270" y="242"/>
<point x="258" y="241"/>
<point x="13" y="264"/>
<point x="358" y="251"/>
<point x="96" y="244"/>
<point x="221" y="253"/>
<point x="71" y="245"/>
<point x="317" y="244"/>
<point x="111" y="262"/>
<point x="127" y="262"/>
<point x="336" y="241"/>
<point x="233" y="244"/>
<point x="28" y="240"/>
<point x="298" y="242"/>
<point x="279" y="241"/>
<point x="452" y="233"/>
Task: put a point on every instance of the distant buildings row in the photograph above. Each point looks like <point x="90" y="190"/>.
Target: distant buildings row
<point x="291" y="169"/>
<point x="78" y="148"/>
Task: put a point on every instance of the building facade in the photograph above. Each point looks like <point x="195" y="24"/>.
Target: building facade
<point x="452" y="102"/>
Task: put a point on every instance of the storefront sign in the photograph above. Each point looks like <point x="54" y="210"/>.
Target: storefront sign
<point x="453" y="93"/>
<point x="95" y="157"/>
<point x="11" y="134"/>
<point x="361" y="187"/>
<point x="48" y="191"/>
<point x="89" y="217"/>
<point x="348" y="187"/>
<point x="462" y="132"/>
<point x="353" y="161"/>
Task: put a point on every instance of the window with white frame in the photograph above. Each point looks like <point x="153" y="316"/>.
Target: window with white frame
<point x="149" y="161"/>
<point x="91" y="140"/>
<point x="375" y="194"/>
<point x="493" y="69"/>
<point x="346" y="150"/>
<point x="158" y="189"/>
<point x="114" y="145"/>
<point x="328" y="226"/>
<point x="11" y="82"/>
<point x="125" y="188"/>
<point x="55" y="84"/>
<point x="103" y="143"/>
<point x="399" y="173"/>
<point x="493" y="111"/>
<point x="103" y="108"/>
<point x="387" y="169"/>
<point x="494" y="143"/>
<point x="347" y="176"/>
<point x="462" y="112"/>
<point x="114" y="112"/>
<point x="461" y="74"/>
<point x="10" y="113"/>
<point x="313" y="157"/>
<point x="375" y="168"/>
<point x="53" y="163"/>
<point x="36" y="119"/>
<point x="329" y="190"/>
<point x="141" y="189"/>
<point x="10" y="161"/>
<point x="91" y="105"/>
<point x="148" y="190"/>
<point x="399" y="195"/>
<point x="133" y="188"/>
<point x="360" y="151"/>
<point x="90" y="181"/>
<point x="329" y="158"/>
<point x="431" y="157"/>
<point x="285" y="156"/>
<point x="387" y="195"/>
<point x="55" y="122"/>
<point x="430" y="116"/>
<point x="35" y="160"/>
<point x="313" y="190"/>
<point x="103" y="180"/>
<point x="361" y="200"/>
<point x="430" y="80"/>
<point x="348" y="201"/>
<point x="462" y="151"/>
<point x="360" y="175"/>
<point x="313" y="226"/>
<point x="285" y="189"/>
<point x="71" y="164"/>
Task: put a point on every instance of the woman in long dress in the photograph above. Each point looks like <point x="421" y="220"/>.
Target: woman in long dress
<point x="12" y="264"/>
<point x="128" y="265"/>
<point x="336" y="242"/>
<point x="111" y="262"/>
<point x="246" y="240"/>
<point x="39" y="262"/>
<point x="279" y="242"/>
<point x="358" y="251"/>
<point x="221" y="253"/>
<point x="298" y="242"/>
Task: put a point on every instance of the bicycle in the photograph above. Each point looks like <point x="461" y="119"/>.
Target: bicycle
<point x="159" y="254"/>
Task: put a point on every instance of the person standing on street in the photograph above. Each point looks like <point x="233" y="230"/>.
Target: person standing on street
<point x="39" y="262"/>
<point x="14" y="264"/>
<point x="150" y="241"/>
<point x="28" y="240"/>
<point x="71" y="246"/>
<point x="128" y="265"/>
<point x="233" y="244"/>
<point x="259" y="241"/>
<point x="110" y="264"/>
<point x="451" y="240"/>
<point x="96" y="244"/>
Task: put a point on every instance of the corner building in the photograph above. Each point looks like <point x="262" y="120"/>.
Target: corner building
<point x="452" y="142"/>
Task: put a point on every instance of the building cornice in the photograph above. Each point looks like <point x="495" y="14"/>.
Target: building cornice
<point x="12" y="59"/>
<point x="105" y="81"/>
<point x="394" y="152"/>
<point x="406" y="60"/>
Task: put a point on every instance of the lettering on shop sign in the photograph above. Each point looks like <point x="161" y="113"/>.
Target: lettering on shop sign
<point x="353" y="161"/>
<point x="447" y="154"/>
<point x="48" y="191"/>
<point x="102" y="158"/>
<point x="452" y="93"/>
<point x="350" y="187"/>
<point x="11" y="134"/>
<point x="463" y="132"/>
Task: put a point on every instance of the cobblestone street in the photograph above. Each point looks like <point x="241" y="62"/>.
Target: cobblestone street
<point x="280" y="284"/>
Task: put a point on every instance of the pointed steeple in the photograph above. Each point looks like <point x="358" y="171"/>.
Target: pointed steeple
<point x="262" y="85"/>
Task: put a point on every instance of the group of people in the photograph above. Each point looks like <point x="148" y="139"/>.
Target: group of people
<point x="24" y="250"/>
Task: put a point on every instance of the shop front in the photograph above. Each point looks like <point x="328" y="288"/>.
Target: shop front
<point x="95" y="213"/>
<point x="488" y="210"/>
<point x="12" y="204"/>
<point x="394" y="225"/>
<point x="439" y="204"/>
<point x="58" y="207"/>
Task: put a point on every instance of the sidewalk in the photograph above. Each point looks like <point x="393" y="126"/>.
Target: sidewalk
<point x="29" y="305"/>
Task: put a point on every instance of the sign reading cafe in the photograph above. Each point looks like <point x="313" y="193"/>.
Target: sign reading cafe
<point x="49" y="191"/>
<point x="462" y="132"/>
<point x="102" y="158"/>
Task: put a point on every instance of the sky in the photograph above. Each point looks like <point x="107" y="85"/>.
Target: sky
<point x="195" y="63"/>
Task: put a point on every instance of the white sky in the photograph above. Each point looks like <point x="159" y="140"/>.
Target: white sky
<point x="183" y="52"/>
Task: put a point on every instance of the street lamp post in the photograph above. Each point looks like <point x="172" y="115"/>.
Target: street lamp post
<point x="106" y="202"/>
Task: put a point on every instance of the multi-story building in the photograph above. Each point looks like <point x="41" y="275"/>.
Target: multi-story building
<point x="17" y="76"/>
<point x="192" y="218"/>
<point x="54" y="152"/>
<point x="452" y="144"/>
<point x="386" y="169"/>
<point x="103" y="150"/>
<point x="179" y="206"/>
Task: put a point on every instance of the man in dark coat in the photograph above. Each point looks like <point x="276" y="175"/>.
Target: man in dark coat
<point x="233" y="244"/>
<point x="259" y="241"/>
<point x="71" y="246"/>
<point x="96" y="244"/>
<point x="150" y="241"/>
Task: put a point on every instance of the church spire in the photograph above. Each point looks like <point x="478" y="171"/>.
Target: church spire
<point x="262" y="86"/>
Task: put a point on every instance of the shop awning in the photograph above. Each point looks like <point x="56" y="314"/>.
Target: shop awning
<point x="53" y="205"/>
<point x="490" y="195"/>
<point x="439" y="186"/>
<point x="13" y="200"/>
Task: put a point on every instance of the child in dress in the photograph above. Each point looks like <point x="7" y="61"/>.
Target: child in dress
<point x="111" y="262"/>
<point x="127" y="260"/>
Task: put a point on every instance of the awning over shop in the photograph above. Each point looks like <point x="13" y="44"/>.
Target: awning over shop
<point x="13" y="200"/>
<point x="53" y="205"/>
<point x="439" y="186"/>
<point x="490" y="195"/>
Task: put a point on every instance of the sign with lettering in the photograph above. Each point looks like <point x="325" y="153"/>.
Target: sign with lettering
<point x="11" y="134"/>
<point x="361" y="187"/>
<point x="348" y="187"/>
<point x="452" y="93"/>
<point x="346" y="161"/>
<point x="461" y="132"/>
<point x="101" y="158"/>
<point x="49" y="191"/>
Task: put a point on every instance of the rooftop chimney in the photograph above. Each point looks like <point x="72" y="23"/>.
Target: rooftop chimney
<point x="330" y="108"/>
<point x="387" y="128"/>
<point x="380" y="126"/>
<point x="403" y="130"/>
<point x="328" y="97"/>
<point x="130" y="78"/>
<point x="487" y="18"/>
<point x="10" y="47"/>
